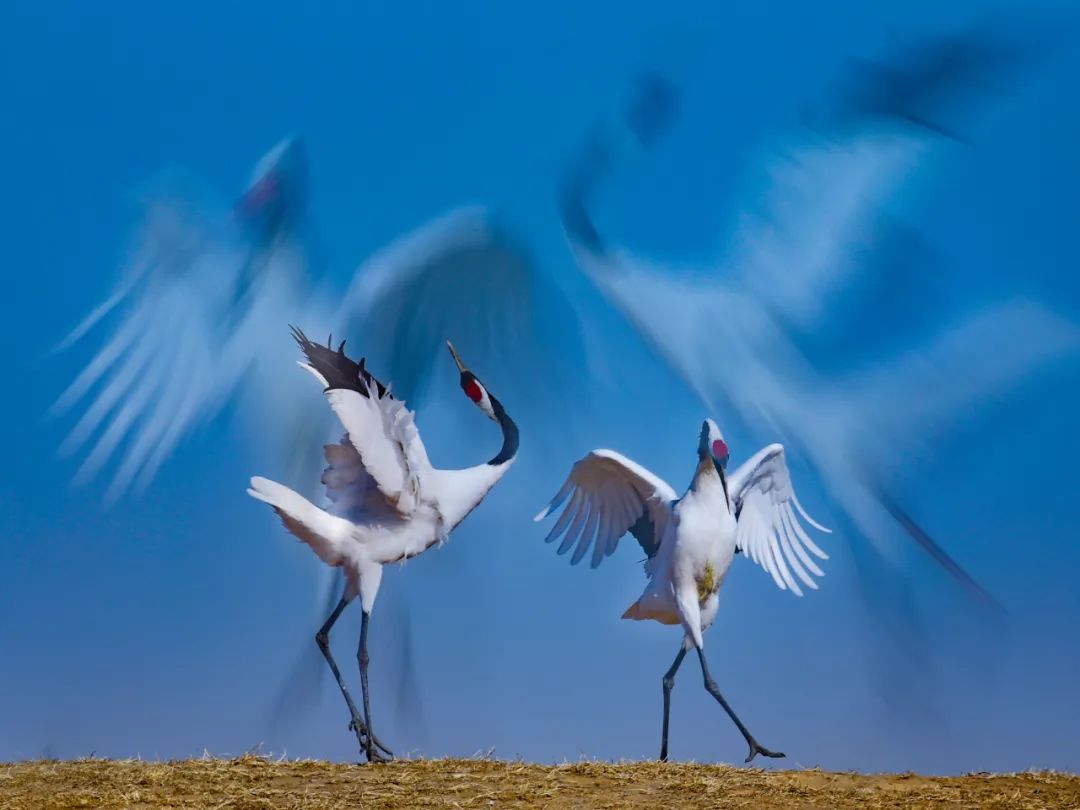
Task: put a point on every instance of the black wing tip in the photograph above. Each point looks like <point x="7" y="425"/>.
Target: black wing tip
<point x="336" y="367"/>
<point x="308" y="346"/>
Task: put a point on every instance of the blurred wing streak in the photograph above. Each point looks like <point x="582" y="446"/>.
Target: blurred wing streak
<point x="463" y="278"/>
<point x="986" y="355"/>
<point x="823" y="201"/>
<point x="159" y="372"/>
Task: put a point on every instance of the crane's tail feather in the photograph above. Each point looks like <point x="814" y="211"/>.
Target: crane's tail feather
<point x="324" y="532"/>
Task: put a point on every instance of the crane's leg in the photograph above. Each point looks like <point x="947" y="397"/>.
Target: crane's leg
<point x="362" y="658"/>
<point x="669" y="682"/>
<point x="712" y="689"/>
<point x="322" y="638"/>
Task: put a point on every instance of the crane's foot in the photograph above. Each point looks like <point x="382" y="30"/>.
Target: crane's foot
<point x="363" y="734"/>
<point x="375" y="758"/>
<point x="756" y="749"/>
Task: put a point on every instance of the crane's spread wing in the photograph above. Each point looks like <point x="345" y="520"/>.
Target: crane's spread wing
<point x="769" y="531"/>
<point x="610" y="495"/>
<point x="463" y="278"/>
<point x="380" y="427"/>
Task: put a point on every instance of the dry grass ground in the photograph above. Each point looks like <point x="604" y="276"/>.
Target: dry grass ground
<point x="254" y="783"/>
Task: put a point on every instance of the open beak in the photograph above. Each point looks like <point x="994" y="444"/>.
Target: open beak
<point x="454" y="354"/>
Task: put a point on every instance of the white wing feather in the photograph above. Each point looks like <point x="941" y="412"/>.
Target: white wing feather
<point x="768" y="530"/>
<point x="610" y="495"/>
<point x="384" y="434"/>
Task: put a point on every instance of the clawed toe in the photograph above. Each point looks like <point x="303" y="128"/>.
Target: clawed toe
<point x="370" y="745"/>
<point x="756" y="749"/>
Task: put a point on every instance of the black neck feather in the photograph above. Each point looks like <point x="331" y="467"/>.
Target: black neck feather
<point x="510" y="433"/>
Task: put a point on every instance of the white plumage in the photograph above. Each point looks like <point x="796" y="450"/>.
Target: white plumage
<point x="386" y="501"/>
<point x="690" y="541"/>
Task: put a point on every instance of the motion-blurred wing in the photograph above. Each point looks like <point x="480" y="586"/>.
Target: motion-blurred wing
<point x="819" y="204"/>
<point x="380" y="427"/>
<point x="609" y="496"/>
<point x="992" y="351"/>
<point x="823" y="196"/>
<point x="202" y="290"/>
<point x="928" y="80"/>
<point x="829" y="194"/>
<point x="157" y="374"/>
<point x="684" y="316"/>
<point x="464" y="279"/>
<point x="769" y="530"/>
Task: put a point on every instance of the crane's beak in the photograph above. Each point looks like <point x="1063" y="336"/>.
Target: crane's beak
<point x="454" y="354"/>
<point x="723" y="483"/>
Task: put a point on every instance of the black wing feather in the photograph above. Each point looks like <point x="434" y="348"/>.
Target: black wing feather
<point x="337" y="369"/>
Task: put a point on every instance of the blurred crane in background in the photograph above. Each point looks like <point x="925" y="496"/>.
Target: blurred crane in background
<point x="732" y="331"/>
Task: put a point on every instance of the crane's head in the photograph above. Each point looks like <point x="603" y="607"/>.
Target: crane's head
<point x="276" y="194"/>
<point x="472" y="386"/>
<point x="711" y="444"/>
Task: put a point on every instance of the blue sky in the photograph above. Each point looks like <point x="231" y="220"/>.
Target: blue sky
<point x="165" y="626"/>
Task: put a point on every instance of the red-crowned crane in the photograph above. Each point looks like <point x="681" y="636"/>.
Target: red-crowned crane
<point x="690" y="541"/>
<point x="387" y="503"/>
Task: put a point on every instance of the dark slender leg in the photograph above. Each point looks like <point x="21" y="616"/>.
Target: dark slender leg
<point x="322" y="638"/>
<point x="669" y="682"/>
<point x="711" y="688"/>
<point x="362" y="658"/>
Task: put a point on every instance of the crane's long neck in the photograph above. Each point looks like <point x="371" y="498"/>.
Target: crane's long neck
<point x="463" y="490"/>
<point x="509" y="431"/>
